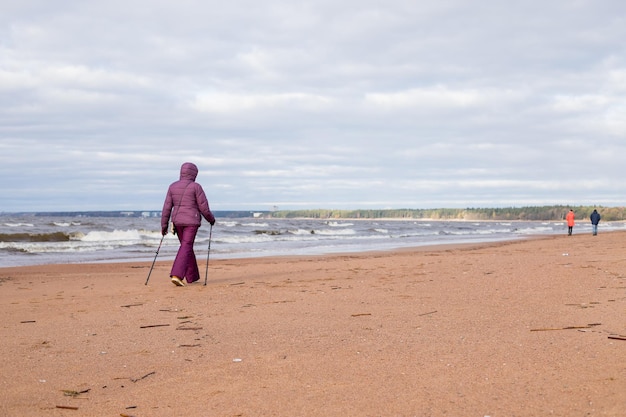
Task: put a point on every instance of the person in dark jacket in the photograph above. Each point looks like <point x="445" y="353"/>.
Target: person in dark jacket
<point x="186" y="204"/>
<point x="595" y="219"/>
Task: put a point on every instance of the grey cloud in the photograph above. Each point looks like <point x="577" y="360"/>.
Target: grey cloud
<point x="321" y="103"/>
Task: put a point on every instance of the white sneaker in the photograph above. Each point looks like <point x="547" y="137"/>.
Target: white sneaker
<point x="177" y="281"/>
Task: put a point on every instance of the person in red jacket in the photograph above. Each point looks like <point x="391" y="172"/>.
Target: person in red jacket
<point x="570" y="222"/>
<point x="186" y="204"/>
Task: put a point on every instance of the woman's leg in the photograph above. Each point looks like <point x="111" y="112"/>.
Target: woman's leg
<point x="185" y="265"/>
<point x="192" y="274"/>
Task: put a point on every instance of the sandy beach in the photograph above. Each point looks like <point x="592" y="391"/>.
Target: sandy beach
<point x="524" y="328"/>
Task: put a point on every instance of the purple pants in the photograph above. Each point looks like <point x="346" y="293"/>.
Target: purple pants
<point x="185" y="265"/>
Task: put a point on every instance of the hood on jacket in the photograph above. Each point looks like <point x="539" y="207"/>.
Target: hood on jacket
<point x="188" y="171"/>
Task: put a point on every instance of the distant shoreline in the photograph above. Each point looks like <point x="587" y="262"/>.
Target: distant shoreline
<point x="529" y="213"/>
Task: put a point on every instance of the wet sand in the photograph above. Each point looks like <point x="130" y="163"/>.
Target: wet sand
<point x="524" y="328"/>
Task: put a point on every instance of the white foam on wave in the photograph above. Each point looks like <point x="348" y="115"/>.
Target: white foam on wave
<point x="255" y="224"/>
<point x="257" y="238"/>
<point x="533" y="230"/>
<point x="338" y="224"/>
<point x="304" y="232"/>
<point x="335" y="232"/>
<point x="19" y="225"/>
<point x="66" y="224"/>
<point x="116" y="235"/>
<point x="228" y="223"/>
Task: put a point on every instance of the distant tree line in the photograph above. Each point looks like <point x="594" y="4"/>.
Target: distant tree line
<point x="538" y="213"/>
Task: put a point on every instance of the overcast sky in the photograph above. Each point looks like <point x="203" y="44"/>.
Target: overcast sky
<point x="312" y="104"/>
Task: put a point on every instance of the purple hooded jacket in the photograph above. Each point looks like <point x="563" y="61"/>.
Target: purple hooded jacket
<point x="185" y="200"/>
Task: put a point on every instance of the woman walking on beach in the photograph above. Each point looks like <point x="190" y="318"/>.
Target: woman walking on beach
<point x="570" y="222"/>
<point x="186" y="204"/>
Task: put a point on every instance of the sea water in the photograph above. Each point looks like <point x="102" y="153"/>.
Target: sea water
<point x="31" y="239"/>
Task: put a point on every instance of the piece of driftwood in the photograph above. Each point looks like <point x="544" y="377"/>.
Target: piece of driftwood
<point x="430" y="312"/>
<point x="565" y="328"/>
<point x="74" y="393"/>
<point x="617" y="337"/>
<point x="189" y="328"/>
<point x="143" y="377"/>
<point x="153" y="325"/>
<point x="361" y="314"/>
<point x="67" y="407"/>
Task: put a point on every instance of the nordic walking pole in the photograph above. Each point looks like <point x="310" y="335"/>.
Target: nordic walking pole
<point x="206" y="273"/>
<point x="155" y="256"/>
